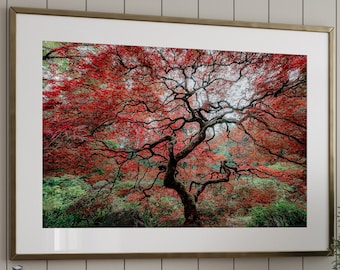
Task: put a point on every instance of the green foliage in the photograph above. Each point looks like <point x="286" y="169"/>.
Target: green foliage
<point x="58" y="194"/>
<point x="336" y="250"/>
<point x="282" y="166"/>
<point x="280" y="214"/>
<point x="59" y="218"/>
<point x="124" y="185"/>
<point x="63" y="63"/>
<point x="71" y="202"/>
<point x="111" y="144"/>
<point x="162" y="213"/>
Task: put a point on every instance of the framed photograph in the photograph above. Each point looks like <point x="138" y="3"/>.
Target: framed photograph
<point x="142" y="137"/>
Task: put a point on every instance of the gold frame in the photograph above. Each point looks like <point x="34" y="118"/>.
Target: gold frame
<point x="13" y="11"/>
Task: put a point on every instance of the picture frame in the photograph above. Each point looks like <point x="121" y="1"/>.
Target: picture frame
<point x="29" y="28"/>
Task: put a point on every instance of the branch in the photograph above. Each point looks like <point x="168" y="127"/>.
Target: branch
<point x="209" y="182"/>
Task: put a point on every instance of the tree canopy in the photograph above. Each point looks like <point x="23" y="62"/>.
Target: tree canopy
<point x="189" y="118"/>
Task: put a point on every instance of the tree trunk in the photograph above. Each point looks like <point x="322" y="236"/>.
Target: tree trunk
<point x="190" y="213"/>
<point x="188" y="200"/>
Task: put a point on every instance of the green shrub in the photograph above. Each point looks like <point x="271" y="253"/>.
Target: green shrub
<point x="59" y="218"/>
<point x="280" y="214"/>
<point x="60" y="192"/>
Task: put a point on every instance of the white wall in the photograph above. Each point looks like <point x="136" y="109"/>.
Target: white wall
<point x="313" y="12"/>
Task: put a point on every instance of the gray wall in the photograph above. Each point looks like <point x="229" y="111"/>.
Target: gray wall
<point x="311" y="12"/>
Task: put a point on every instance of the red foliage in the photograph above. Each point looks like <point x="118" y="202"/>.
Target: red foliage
<point x="126" y="110"/>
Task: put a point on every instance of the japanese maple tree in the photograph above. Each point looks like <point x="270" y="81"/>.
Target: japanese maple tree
<point x="191" y="118"/>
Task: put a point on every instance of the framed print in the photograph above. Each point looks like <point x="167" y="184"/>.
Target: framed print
<point x="137" y="136"/>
